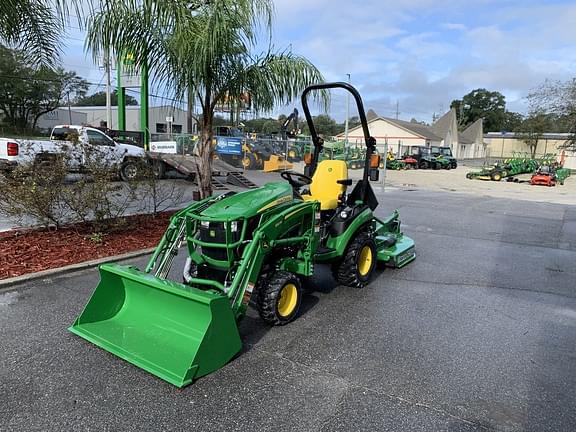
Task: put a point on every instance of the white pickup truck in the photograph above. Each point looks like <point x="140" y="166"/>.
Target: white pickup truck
<point x="124" y="158"/>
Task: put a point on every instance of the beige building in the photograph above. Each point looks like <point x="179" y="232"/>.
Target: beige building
<point x="400" y="134"/>
<point x="60" y="116"/>
<point x="505" y="145"/>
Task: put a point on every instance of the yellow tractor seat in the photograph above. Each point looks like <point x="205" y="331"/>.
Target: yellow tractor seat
<point x="324" y="186"/>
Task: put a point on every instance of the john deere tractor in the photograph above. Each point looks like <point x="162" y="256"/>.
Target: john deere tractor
<point x="254" y="245"/>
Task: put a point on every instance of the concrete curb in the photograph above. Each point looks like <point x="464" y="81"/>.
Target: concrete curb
<point x="8" y="284"/>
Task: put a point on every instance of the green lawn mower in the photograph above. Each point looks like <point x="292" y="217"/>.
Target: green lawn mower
<point x="252" y="247"/>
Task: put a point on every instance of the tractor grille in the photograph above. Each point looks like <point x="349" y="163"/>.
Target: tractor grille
<point x="215" y="232"/>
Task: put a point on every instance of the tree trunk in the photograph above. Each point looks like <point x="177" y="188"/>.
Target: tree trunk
<point x="204" y="170"/>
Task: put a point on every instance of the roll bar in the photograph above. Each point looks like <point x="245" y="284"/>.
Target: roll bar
<point x="319" y="142"/>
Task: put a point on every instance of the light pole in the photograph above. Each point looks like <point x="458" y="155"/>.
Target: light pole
<point x="347" y="115"/>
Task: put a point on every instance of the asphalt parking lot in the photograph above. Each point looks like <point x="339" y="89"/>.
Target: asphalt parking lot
<point x="479" y="333"/>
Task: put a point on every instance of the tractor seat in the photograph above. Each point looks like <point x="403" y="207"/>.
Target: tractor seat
<point x="324" y="186"/>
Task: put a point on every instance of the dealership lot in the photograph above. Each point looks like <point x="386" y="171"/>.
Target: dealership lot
<point x="476" y="334"/>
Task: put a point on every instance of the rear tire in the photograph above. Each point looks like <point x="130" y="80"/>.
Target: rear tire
<point x="424" y="165"/>
<point x="357" y="266"/>
<point x="159" y="169"/>
<point x="279" y="298"/>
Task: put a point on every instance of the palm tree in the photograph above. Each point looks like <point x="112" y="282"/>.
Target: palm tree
<point x="33" y="26"/>
<point x="203" y="50"/>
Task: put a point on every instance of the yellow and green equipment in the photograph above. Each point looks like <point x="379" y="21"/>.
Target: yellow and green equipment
<point x="254" y="245"/>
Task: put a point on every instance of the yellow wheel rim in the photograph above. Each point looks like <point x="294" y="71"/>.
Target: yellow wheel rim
<point x="291" y="153"/>
<point x="365" y="260"/>
<point x="246" y="162"/>
<point x="288" y="300"/>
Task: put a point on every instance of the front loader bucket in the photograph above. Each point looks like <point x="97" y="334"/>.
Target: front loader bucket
<point x="276" y="163"/>
<point x="174" y="332"/>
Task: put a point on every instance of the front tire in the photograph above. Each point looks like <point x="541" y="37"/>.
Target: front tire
<point x="249" y="161"/>
<point x="358" y="263"/>
<point x="130" y="170"/>
<point x="279" y="298"/>
<point x="424" y="165"/>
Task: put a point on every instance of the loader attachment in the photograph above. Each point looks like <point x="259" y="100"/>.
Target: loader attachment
<point x="173" y="331"/>
<point x="276" y="163"/>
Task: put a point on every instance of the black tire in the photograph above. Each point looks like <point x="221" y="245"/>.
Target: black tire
<point x="349" y="270"/>
<point x="424" y="165"/>
<point x="454" y="165"/>
<point x="273" y="307"/>
<point x="496" y="176"/>
<point x="249" y="161"/>
<point x="159" y="169"/>
<point x="130" y="170"/>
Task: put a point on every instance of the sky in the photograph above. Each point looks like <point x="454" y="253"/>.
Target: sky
<point x="417" y="54"/>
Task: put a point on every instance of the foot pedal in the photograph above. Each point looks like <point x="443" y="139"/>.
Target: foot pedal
<point x="324" y="250"/>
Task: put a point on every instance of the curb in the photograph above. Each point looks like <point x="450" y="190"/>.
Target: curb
<point x="8" y="284"/>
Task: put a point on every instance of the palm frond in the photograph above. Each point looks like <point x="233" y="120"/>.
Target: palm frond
<point x="33" y="27"/>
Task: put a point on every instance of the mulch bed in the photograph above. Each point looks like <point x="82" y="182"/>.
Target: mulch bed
<point x="30" y="251"/>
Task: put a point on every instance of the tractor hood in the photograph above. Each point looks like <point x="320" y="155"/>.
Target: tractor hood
<point x="249" y="203"/>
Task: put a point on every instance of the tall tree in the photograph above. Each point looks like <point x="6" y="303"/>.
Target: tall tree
<point x="26" y="92"/>
<point x="99" y="99"/>
<point x="532" y="128"/>
<point x="484" y="104"/>
<point x="557" y="98"/>
<point x="324" y="125"/>
<point x="204" y="50"/>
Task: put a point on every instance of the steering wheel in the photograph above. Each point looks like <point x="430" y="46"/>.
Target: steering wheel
<point x="295" y="179"/>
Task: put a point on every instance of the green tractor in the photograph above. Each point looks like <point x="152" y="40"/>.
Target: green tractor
<point x="249" y="247"/>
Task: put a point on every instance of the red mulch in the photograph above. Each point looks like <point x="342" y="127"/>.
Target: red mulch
<point x="30" y="251"/>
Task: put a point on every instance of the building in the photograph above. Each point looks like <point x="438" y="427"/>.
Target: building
<point x="60" y="116"/>
<point x="158" y="118"/>
<point x="471" y="143"/>
<point x="444" y="132"/>
<point x="505" y="145"/>
<point x="396" y="133"/>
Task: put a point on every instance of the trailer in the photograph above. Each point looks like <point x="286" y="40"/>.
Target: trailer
<point x="222" y="173"/>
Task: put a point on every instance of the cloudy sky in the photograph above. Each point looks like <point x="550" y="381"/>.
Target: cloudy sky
<point x="421" y="53"/>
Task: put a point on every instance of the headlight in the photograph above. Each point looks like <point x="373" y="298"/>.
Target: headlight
<point x="343" y="214"/>
<point x="205" y="224"/>
<point x="234" y="226"/>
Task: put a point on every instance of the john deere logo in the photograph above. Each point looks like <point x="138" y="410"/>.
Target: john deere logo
<point x="129" y="59"/>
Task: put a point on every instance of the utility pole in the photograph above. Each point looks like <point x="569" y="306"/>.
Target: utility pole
<point x="347" y="115"/>
<point x="69" y="109"/>
<point x="397" y="108"/>
<point x="108" y="90"/>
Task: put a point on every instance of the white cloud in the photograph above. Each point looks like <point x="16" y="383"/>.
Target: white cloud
<point x="425" y="53"/>
<point x="453" y="26"/>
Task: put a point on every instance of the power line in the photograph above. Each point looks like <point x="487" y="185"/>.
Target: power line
<point x="43" y="79"/>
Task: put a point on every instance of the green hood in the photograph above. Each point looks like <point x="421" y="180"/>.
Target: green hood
<point x="249" y="203"/>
